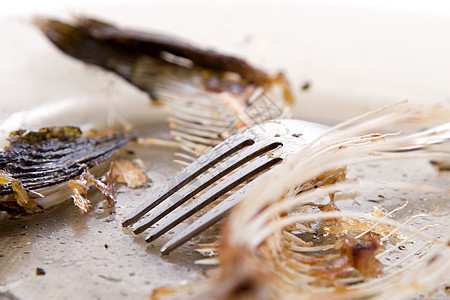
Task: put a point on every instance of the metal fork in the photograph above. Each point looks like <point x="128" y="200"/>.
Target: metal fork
<point x="236" y="160"/>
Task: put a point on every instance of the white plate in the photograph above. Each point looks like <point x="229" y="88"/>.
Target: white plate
<point x="356" y="57"/>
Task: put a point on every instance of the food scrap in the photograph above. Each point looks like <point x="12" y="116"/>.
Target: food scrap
<point x="281" y="242"/>
<point x="354" y="255"/>
<point x="132" y="173"/>
<point x="40" y="271"/>
<point x="37" y="161"/>
<point x="105" y="184"/>
<point x="441" y="165"/>
<point x="208" y="95"/>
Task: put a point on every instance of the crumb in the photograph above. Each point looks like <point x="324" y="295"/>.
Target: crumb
<point x="40" y="271"/>
<point x="305" y="86"/>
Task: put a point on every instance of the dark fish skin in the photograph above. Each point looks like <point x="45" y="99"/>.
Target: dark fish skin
<point x="128" y="53"/>
<point x="207" y="95"/>
<point x="54" y="155"/>
<point x="118" y="50"/>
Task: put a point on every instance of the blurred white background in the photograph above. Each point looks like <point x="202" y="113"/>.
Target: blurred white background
<point x="356" y="55"/>
<point x="24" y="7"/>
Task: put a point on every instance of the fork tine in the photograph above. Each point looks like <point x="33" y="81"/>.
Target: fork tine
<point x="211" y="217"/>
<point x="204" y="181"/>
<point x="193" y="170"/>
<point x="214" y="193"/>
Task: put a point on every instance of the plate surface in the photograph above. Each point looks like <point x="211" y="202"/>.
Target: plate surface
<point x="354" y="58"/>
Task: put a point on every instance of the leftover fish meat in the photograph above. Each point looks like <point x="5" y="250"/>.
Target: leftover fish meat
<point x="36" y="160"/>
<point x="208" y="95"/>
<point x="281" y="244"/>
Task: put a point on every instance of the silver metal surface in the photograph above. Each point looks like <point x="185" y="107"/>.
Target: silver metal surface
<point x="236" y="160"/>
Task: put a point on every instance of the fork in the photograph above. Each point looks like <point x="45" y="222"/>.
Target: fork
<point x="237" y="160"/>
